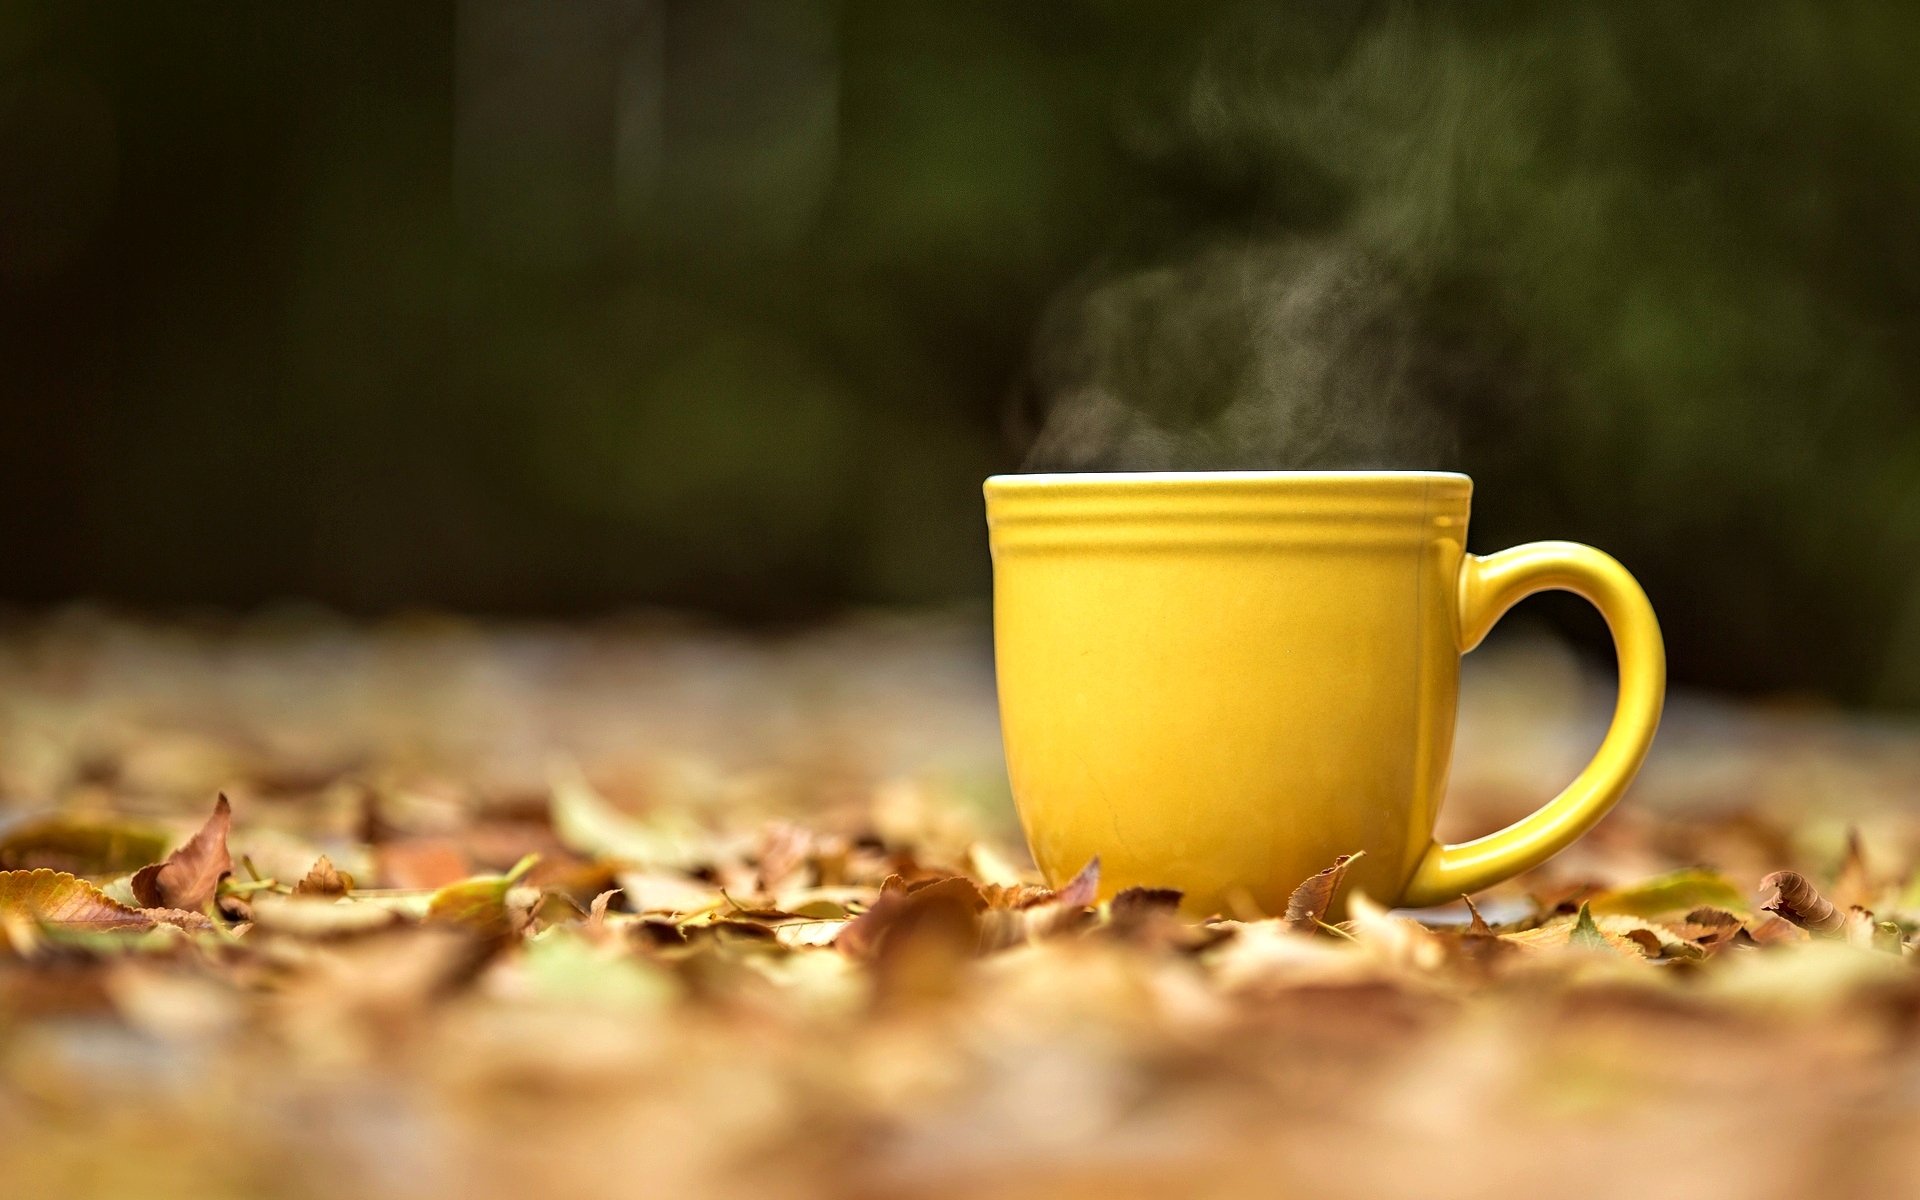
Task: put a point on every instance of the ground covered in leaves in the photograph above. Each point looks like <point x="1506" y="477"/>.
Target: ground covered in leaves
<point x="299" y="909"/>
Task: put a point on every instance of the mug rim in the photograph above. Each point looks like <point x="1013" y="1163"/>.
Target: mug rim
<point x="1054" y="479"/>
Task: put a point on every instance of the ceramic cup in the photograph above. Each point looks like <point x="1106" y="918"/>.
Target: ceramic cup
<point x="1221" y="681"/>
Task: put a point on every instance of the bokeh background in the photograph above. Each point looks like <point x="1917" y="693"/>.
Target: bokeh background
<point x="727" y="306"/>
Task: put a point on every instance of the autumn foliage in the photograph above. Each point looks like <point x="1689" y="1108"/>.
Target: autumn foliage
<point x="384" y="979"/>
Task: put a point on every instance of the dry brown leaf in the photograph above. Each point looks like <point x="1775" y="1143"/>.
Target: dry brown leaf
<point x="324" y="880"/>
<point x="1795" y="899"/>
<point x="1708" y="927"/>
<point x="1308" y="905"/>
<point x="1055" y="914"/>
<point x="1477" y="926"/>
<point x="57" y="899"/>
<point x="1646" y="939"/>
<point x="901" y="906"/>
<point x="190" y="877"/>
<point x="917" y="939"/>
<point x="1082" y="889"/>
<point x="1136" y="904"/>
<point x="1773" y="930"/>
<point x="1861" y="931"/>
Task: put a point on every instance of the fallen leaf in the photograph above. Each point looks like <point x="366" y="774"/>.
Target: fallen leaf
<point x="190" y="877"/>
<point x="597" y="914"/>
<point x="80" y="845"/>
<point x="922" y="942"/>
<point x="55" y="898"/>
<point x="1477" y="926"/>
<point x="1134" y="905"/>
<point x="1859" y="930"/>
<point x="1478" y="944"/>
<point x="1308" y="905"/>
<point x="1677" y="891"/>
<point x="479" y="905"/>
<point x="323" y="880"/>
<point x="1585" y="934"/>
<point x="1646" y="939"/>
<point x="897" y="906"/>
<point x="1795" y="899"/>
<point x="1773" y="930"/>
<point x="1081" y="890"/>
<point x="1044" y="917"/>
<point x="1709" y="927"/>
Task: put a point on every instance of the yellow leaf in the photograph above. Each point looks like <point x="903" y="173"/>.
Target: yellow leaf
<point x="1675" y="892"/>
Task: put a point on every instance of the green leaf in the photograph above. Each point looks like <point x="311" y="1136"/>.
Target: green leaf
<point x="1676" y="892"/>
<point x="1586" y="935"/>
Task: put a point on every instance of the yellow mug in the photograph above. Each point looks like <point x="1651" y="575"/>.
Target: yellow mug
<point x="1221" y="681"/>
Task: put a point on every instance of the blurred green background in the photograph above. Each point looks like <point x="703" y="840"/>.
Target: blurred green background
<point x="526" y="307"/>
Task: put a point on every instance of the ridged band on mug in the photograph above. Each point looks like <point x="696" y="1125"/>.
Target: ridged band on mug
<point x="1226" y="509"/>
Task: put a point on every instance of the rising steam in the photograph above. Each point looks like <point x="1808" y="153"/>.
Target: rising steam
<point x="1288" y="355"/>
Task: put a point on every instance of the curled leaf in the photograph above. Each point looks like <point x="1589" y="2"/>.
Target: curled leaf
<point x="190" y="877"/>
<point x="1796" y="899"/>
<point x="1308" y="905"/>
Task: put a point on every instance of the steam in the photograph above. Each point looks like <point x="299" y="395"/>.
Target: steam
<point x="1286" y="354"/>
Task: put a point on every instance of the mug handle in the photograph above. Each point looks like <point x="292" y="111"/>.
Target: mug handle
<point x="1491" y="585"/>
